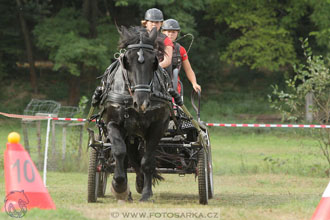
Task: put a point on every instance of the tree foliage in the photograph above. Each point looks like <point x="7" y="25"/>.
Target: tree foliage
<point x="11" y="46"/>
<point x="65" y="37"/>
<point x="261" y="35"/>
<point x="262" y="31"/>
<point x="321" y="18"/>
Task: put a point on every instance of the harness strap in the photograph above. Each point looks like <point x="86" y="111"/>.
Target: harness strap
<point x="142" y="88"/>
<point x="134" y="46"/>
<point x="124" y="71"/>
<point x="119" y="98"/>
<point x="128" y="100"/>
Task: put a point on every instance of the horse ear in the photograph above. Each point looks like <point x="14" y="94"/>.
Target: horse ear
<point x="122" y="30"/>
<point x="117" y="27"/>
<point x="124" y="61"/>
<point x="153" y="34"/>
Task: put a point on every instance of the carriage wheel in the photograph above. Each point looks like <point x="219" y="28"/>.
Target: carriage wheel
<point x="93" y="176"/>
<point x="202" y="177"/>
<point x="209" y="168"/>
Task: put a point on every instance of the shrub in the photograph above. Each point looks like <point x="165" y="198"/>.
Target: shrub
<point x="313" y="78"/>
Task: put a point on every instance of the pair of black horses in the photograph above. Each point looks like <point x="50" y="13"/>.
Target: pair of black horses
<point x="136" y="104"/>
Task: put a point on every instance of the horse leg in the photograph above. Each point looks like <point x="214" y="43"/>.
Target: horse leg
<point x="148" y="162"/>
<point x="119" y="183"/>
<point x="148" y="168"/>
<point x="135" y="161"/>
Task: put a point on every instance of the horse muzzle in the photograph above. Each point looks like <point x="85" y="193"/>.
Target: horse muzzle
<point x="141" y="101"/>
<point x="141" y="107"/>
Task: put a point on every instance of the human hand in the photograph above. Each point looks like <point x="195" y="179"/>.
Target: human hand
<point x="197" y="87"/>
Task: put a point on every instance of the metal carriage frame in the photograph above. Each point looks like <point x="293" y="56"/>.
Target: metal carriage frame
<point x="184" y="149"/>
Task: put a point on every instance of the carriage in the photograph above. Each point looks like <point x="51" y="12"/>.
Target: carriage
<point x="140" y="128"/>
<point x="184" y="149"/>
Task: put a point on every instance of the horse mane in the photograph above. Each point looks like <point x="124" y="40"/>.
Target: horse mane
<point x="131" y="35"/>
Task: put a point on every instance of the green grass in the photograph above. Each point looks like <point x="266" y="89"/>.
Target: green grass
<point x="261" y="196"/>
<point x="270" y="151"/>
<point x="259" y="174"/>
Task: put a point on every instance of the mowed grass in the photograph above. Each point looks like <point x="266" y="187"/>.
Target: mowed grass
<point x="258" y="174"/>
<point x="266" y="196"/>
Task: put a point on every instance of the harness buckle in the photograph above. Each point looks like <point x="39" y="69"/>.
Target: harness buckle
<point x="126" y="115"/>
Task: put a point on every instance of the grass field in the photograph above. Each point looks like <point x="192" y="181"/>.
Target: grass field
<point x="259" y="174"/>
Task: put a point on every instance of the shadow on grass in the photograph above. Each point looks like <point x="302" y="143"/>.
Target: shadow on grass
<point x="264" y="201"/>
<point x="162" y="198"/>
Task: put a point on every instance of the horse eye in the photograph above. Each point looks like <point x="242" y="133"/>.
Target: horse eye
<point x="126" y="62"/>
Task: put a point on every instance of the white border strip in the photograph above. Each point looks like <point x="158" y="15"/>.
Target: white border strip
<point x="267" y="125"/>
<point x="208" y="124"/>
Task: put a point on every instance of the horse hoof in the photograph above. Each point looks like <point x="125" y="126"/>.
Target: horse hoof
<point x="121" y="196"/>
<point x="119" y="201"/>
<point x="130" y="198"/>
<point x="139" y="184"/>
<point x="146" y="199"/>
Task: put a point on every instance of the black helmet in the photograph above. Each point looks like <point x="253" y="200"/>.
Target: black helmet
<point x="154" y="14"/>
<point x="171" y="25"/>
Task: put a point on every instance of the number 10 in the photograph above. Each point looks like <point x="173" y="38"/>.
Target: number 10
<point x="26" y="162"/>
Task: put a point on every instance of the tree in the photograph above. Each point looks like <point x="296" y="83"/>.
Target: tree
<point x="262" y="31"/>
<point x="28" y="45"/>
<point x="10" y="39"/>
<point x="321" y="18"/>
<point x="66" y="37"/>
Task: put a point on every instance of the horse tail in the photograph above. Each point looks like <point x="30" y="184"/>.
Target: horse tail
<point x="156" y="177"/>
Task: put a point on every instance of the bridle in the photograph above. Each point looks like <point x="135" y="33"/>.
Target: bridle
<point x="139" y="87"/>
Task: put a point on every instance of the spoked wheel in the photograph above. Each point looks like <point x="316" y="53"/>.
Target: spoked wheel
<point x="203" y="177"/>
<point x="93" y="176"/>
<point x="209" y="168"/>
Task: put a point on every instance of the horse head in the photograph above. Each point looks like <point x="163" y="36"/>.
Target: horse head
<point x="140" y="62"/>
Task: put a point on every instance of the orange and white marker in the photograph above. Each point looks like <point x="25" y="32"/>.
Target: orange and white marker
<point x="322" y="211"/>
<point x="24" y="187"/>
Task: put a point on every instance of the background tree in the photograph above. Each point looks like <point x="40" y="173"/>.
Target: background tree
<point x="321" y="18"/>
<point x="28" y="45"/>
<point x="235" y="42"/>
<point x="67" y="38"/>
<point x="262" y="31"/>
<point x="11" y="48"/>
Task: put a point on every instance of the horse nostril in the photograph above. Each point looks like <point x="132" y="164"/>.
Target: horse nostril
<point x="135" y="105"/>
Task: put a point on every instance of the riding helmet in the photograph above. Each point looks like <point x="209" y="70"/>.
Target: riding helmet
<point x="171" y="25"/>
<point x="154" y="14"/>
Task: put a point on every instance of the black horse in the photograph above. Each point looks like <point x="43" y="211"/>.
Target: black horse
<point x="136" y="110"/>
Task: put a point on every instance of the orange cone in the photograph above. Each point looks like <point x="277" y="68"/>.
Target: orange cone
<point x="322" y="211"/>
<point x="24" y="187"/>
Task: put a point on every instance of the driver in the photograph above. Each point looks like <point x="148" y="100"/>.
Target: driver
<point x="154" y="18"/>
